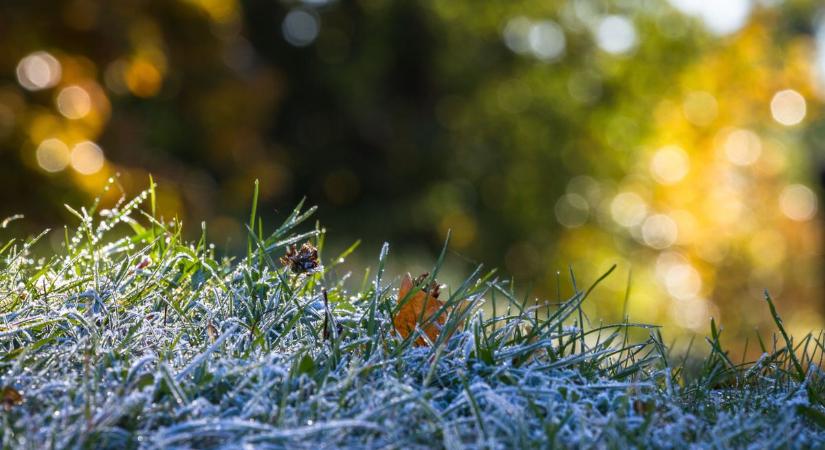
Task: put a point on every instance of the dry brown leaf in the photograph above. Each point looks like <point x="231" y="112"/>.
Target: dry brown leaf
<point x="418" y="310"/>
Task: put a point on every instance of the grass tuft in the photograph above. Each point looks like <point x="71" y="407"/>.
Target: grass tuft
<point x="133" y="337"/>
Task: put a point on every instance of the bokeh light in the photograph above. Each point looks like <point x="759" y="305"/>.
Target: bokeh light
<point x="693" y="314"/>
<point x="628" y="209"/>
<point x="74" y="102"/>
<point x="300" y="27"/>
<point x="572" y="210"/>
<point x="720" y="17"/>
<point x="680" y="139"/>
<point x="788" y="107"/>
<point x="659" y="231"/>
<point x="742" y="147"/>
<point x="546" y="40"/>
<point x="87" y="158"/>
<point x="142" y="77"/>
<point x="52" y="155"/>
<point x="683" y="281"/>
<point x="39" y="70"/>
<point x="616" y="34"/>
<point x="798" y="202"/>
<point x="669" y="165"/>
<point x="515" y="34"/>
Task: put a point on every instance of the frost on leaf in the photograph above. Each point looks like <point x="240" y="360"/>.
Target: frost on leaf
<point x="418" y="309"/>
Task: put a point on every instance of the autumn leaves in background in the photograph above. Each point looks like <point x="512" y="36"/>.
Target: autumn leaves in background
<point x="418" y="303"/>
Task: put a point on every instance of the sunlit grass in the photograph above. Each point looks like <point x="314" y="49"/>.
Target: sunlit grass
<point x="138" y="338"/>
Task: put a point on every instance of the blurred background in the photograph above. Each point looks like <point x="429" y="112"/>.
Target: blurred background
<point x="682" y="140"/>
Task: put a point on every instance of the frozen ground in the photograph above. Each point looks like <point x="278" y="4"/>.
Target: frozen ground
<point x="140" y="340"/>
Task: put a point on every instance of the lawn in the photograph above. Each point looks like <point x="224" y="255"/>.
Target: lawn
<point x="132" y="337"/>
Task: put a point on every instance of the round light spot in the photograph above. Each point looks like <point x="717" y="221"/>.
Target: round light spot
<point x="628" y="209"/>
<point x="587" y="187"/>
<point x="300" y="27"/>
<point x="659" y="231"/>
<point x="616" y="35"/>
<point x="515" y="34"/>
<point x="700" y="108"/>
<point x="572" y="210"/>
<point x="669" y="165"/>
<point x="39" y="70"/>
<point x="693" y="314"/>
<point x="143" y="78"/>
<point x="788" y="107"/>
<point x="546" y="40"/>
<point x="683" y="281"/>
<point x="798" y="202"/>
<point x="52" y="155"/>
<point x="87" y="158"/>
<point x="726" y="17"/>
<point x="74" y="102"/>
<point x="742" y="147"/>
<point x="666" y="261"/>
<point x="720" y="17"/>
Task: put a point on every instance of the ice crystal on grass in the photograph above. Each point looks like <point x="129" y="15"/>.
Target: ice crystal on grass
<point x="146" y="341"/>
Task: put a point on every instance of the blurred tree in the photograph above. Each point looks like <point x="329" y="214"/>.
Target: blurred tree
<point x="682" y="138"/>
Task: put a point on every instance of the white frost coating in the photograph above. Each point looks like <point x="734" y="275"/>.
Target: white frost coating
<point x="142" y="371"/>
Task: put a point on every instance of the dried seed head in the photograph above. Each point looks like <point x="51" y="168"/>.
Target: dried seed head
<point x="434" y="289"/>
<point x="301" y="260"/>
<point x="11" y="397"/>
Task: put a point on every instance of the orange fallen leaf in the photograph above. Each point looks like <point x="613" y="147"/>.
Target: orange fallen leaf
<point x="418" y="309"/>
